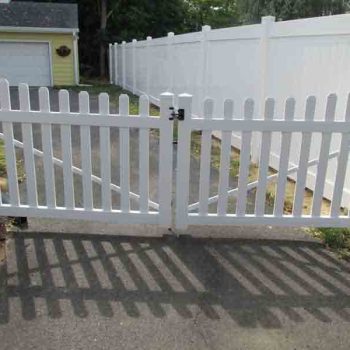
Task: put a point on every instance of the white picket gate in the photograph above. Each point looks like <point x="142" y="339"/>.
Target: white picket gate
<point x="187" y="211"/>
<point x="149" y="211"/>
<point x="198" y="212"/>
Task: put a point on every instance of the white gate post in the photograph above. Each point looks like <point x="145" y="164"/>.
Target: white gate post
<point x="203" y="89"/>
<point x="183" y="164"/>
<point x="148" y="65"/>
<point x="266" y="24"/>
<point x="165" y="160"/>
<point x="170" y="61"/>
<point x="134" y="41"/>
<point x="115" y="63"/>
<point x="110" y="63"/>
<point x="123" y="64"/>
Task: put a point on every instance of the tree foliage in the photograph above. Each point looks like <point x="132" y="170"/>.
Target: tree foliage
<point x="126" y="20"/>
<point x="252" y="10"/>
<point x="216" y="13"/>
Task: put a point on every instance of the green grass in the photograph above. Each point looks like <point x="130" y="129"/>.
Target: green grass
<point x="2" y="160"/>
<point x="3" y="173"/>
<point x="215" y="153"/>
<point x="336" y="239"/>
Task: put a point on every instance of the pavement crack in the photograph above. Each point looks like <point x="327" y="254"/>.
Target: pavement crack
<point x="199" y="328"/>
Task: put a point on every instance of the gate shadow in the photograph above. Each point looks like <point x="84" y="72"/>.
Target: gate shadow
<point x="256" y="283"/>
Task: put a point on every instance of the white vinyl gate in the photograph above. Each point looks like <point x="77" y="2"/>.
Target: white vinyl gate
<point x="149" y="212"/>
<point x="187" y="211"/>
<point x="287" y="127"/>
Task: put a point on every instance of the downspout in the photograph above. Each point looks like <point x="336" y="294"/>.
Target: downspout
<point x="76" y="57"/>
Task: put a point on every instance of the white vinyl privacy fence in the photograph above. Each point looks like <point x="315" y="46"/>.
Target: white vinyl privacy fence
<point x="299" y="58"/>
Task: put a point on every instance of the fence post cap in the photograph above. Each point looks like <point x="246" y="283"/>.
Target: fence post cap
<point x="185" y="95"/>
<point x="134" y="41"/>
<point x="206" y="28"/>
<point x="267" y="19"/>
<point x="166" y="94"/>
<point x="149" y="38"/>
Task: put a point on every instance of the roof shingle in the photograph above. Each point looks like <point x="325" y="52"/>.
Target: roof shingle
<point x="40" y="15"/>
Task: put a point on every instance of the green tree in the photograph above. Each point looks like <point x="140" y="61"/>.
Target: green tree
<point x="251" y="11"/>
<point x="119" y="20"/>
<point x="216" y="13"/>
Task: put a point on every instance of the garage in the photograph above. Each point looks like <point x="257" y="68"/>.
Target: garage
<point x="22" y="62"/>
<point x="39" y="43"/>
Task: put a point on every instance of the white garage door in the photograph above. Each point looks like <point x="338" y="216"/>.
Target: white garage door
<point x="22" y="62"/>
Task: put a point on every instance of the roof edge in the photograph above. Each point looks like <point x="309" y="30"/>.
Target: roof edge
<point x="38" y="30"/>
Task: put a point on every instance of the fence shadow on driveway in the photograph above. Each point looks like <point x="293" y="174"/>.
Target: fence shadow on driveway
<point x="256" y="283"/>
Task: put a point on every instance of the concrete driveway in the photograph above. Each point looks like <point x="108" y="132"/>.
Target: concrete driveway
<point x="78" y="291"/>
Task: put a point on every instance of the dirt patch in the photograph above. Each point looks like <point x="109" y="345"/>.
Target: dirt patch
<point x="2" y="251"/>
<point x="254" y="175"/>
<point x="3" y="225"/>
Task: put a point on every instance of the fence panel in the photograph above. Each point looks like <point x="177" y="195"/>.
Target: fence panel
<point x="266" y="197"/>
<point x="272" y="59"/>
<point x="84" y="141"/>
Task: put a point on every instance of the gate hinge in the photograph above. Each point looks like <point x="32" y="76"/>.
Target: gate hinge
<point x="180" y="115"/>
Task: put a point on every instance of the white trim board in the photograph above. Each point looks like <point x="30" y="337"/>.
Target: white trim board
<point x="76" y="58"/>
<point x="38" y="30"/>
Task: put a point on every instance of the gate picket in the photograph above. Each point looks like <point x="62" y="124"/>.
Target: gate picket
<point x="46" y="134"/>
<point x="225" y="158"/>
<point x="204" y="178"/>
<point x="260" y="198"/>
<point x="303" y="159"/>
<point x="66" y="139"/>
<point x="284" y="161"/>
<point x="105" y="155"/>
<point x="342" y="163"/>
<point x="85" y="146"/>
<point x="11" y="166"/>
<point x="244" y="161"/>
<point x="124" y="155"/>
<point x="144" y="157"/>
<point x="323" y="158"/>
<point x="27" y="134"/>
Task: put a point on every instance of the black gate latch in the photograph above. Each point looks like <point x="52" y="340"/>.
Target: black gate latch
<point x="180" y="115"/>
